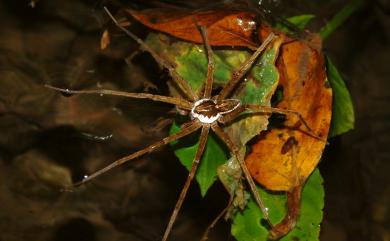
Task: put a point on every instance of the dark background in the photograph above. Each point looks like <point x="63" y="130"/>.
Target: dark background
<point x="48" y="140"/>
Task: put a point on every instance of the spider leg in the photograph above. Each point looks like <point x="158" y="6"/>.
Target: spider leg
<point x="226" y="118"/>
<point x="198" y="155"/>
<point x="238" y="74"/>
<point x="179" y="81"/>
<point x="235" y="151"/>
<point x="181" y="103"/>
<point x="195" y="125"/>
<point x="267" y="109"/>
<point x="210" y="67"/>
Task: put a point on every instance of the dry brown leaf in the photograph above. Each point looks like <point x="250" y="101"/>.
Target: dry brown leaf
<point x="223" y="27"/>
<point x="305" y="90"/>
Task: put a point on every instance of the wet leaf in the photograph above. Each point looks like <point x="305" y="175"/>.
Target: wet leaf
<point x="343" y="118"/>
<point x="231" y="28"/>
<point x="247" y="225"/>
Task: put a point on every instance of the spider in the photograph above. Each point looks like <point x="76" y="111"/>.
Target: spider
<point x="206" y="112"/>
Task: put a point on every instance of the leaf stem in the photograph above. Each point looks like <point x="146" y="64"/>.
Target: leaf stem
<point x="340" y="18"/>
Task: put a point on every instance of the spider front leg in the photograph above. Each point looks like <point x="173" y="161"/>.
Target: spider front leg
<point x="210" y="66"/>
<point x="195" y="164"/>
<point x="235" y="151"/>
<point x="229" y="88"/>
<point x="227" y="118"/>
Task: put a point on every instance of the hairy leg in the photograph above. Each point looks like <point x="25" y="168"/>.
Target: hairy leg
<point x="267" y="109"/>
<point x="195" y="163"/>
<point x="210" y="67"/>
<point x="238" y="74"/>
<point x="235" y="151"/>
<point x="181" y="103"/>
<point x="193" y="126"/>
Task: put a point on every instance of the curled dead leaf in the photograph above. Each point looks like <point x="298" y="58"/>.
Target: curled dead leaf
<point x="305" y="90"/>
<point x="224" y="28"/>
<point x="282" y="159"/>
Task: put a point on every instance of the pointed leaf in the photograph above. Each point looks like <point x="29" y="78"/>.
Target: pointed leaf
<point x="213" y="156"/>
<point x="343" y="118"/>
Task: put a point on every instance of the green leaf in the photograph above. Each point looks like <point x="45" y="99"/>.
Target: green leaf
<point x="343" y="117"/>
<point x="259" y="88"/>
<point x="213" y="156"/>
<point x="248" y="226"/>
<point x="299" y="21"/>
<point x="340" y="18"/>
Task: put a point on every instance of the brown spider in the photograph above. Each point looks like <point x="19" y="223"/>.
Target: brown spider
<point x="206" y="112"/>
